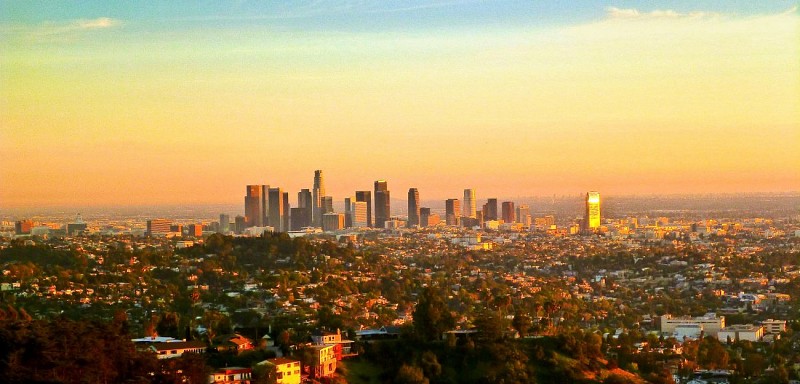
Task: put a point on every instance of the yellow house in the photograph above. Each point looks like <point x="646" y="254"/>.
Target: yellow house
<point x="287" y="370"/>
<point x="324" y="361"/>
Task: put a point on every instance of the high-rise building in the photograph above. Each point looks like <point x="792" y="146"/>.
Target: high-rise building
<point x="452" y="209"/>
<point x="224" y="223"/>
<point x="382" y="203"/>
<point x="591" y="219"/>
<point x="366" y="196"/>
<point x="470" y="205"/>
<point x="254" y="205"/>
<point x="286" y="210"/>
<point x="240" y="224"/>
<point x="508" y="212"/>
<point x="490" y="209"/>
<point x="348" y="214"/>
<point x="358" y="214"/>
<point x="23" y="227"/>
<point x="424" y="216"/>
<point x="332" y="221"/>
<point x="327" y="204"/>
<point x="299" y="218"/>
<point x="158" y="226"/>
<point x="304" y="200"/>
<point x="413" y="208"/>
<point x="195" y="230"/>
<point x="317" y="194"/>
<point x="276" y="209"/>
<point x="524" y="214"/>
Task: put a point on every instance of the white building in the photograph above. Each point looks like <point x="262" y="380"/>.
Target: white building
<point x="741" y="332"/>
<point x="710" y="322"/>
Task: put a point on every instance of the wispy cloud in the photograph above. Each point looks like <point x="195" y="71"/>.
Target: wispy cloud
<point x="635" y="14"/>
<point x="98" y="23"/>
<point x="50" y="30"/>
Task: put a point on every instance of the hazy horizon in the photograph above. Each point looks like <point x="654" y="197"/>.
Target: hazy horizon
<point x="107" y="104"/>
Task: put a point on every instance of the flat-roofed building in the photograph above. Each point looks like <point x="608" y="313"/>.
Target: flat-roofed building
<point x="287" y="371"/>
<point x="332" y="221"/>
<point x="710" y="321"/>
<point x="740" y="332"/>
<point x="774" y="327"/>
<point x="358" y="214"/>
<point x="158" y="227"/>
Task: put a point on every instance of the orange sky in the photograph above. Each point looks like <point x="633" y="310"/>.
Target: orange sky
<point x="116" y="111"/>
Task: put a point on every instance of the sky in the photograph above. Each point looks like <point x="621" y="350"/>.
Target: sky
<point x="185" y="102"/>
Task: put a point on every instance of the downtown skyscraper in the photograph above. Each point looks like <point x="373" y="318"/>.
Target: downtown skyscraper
<point x="317" y="193"/>
<point x="591" y="220"/>
<point x="413" y="208"/>
<point x="276" y="210"/>
<point x="470" y="205"/>
<point x="255" y="205"/>
<point x="382" y="203"/>
<point x="452" y="211"/>
<point x="366" y="197"/>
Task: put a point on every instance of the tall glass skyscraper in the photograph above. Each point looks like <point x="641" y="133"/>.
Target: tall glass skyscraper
<point x="318" y="192"/>
<point x="366" y="196"/>
<point x="470" y="205"/>
<point x="591" y="220"/>
<point x="382" y="203"/>
<point x="413" y="208"/>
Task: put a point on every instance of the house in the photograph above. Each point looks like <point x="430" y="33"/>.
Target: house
<point x="233" y="343"/>
<point x="341" y="347"/>
<point x="324" y="361"/>
<point x="231" y="375"/>
<point x="287" y="370"/>
<point x="169" y="350"/>
<point x="382" y="333"/>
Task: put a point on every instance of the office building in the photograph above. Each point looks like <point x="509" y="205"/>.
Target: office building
<point x="508" y="212"/>
<point x="286" y="210"/>
<point x="23" y="227"/>
<point x="348" y="215"/>
<point x="276" y="210"/>
<point x="413" y="208"/>
<point x="327" y="204"/>
<point x="195" y="230"/>
<point x="366" y="196"/>
<point x="424" y="216"/>
<point x="317" y="193"/>
<point x="591" y="219"/>
<point x="382" y="203"/>
<point x="255" y="208"/>
<point x="452" y="211"/>
<point x="239" y="224"/>
<point x="490" y="210"/>
<point x="709" y="323"/>
<point x="299" y="218"/>
<point x="358" y="214"/>
<point x="332" y="221"/>
<point x="77" y="226"/>
<point x="158" y="227"/>
<point x="524" y="214"/>
<point x="224" y="223"/>
<point x="470" y="205"/>
<point x="304" y="201"/>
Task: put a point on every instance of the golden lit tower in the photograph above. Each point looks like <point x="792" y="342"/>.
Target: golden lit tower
<point x="592" y="218"/>
<point x="470" y="205"/>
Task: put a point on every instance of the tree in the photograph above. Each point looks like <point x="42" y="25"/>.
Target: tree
<point x="522" y="323"/>
<point x="410" y="375"/>
<point x="431" y="315"/>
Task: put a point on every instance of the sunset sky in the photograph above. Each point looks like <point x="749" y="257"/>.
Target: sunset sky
<point x="181" y="103"/>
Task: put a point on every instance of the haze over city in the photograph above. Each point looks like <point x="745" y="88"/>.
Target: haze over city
<point x="184" y="103"/>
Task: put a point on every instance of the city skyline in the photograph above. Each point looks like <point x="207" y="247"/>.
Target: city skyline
<point x="116" y="104"/>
